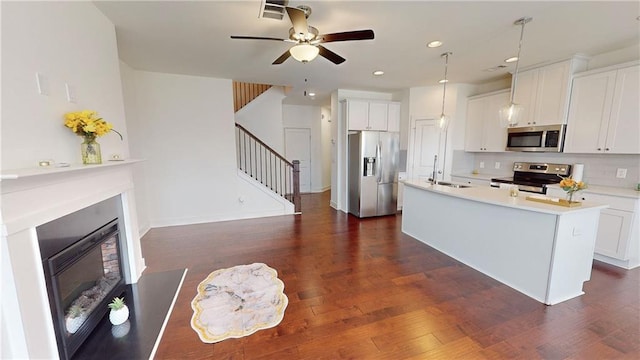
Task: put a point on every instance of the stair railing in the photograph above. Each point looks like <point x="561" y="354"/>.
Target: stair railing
<point x="265" y="165"/>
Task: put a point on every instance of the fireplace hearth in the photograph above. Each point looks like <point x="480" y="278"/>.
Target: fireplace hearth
<point x="83" y="271"/>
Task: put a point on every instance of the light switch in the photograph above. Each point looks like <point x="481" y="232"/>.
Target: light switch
<point x="497" y="165"/>
<point x="481" y="164"/>
<point x="621" y="173"/>
<point x="43" y="84"/>
<point x="71" y="93"/>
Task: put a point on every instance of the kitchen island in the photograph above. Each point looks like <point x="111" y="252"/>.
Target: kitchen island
<point x="544" y="251"/>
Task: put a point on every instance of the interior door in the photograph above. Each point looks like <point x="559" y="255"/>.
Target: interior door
<point x="297" y="146"/>
<point x="426" y="144"/>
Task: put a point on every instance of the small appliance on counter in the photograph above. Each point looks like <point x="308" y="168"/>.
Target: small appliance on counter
<point x="534" y="177"/>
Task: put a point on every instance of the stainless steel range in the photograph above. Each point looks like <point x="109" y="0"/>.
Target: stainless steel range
<point x="534" y="177"/>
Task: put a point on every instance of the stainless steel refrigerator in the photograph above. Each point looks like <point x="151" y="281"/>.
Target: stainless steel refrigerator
<point x="373" y="173"/>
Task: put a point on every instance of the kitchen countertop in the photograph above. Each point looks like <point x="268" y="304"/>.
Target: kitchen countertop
<point x="607" y="190"/>
<point x="593" y="189"/>
<point x="501" y="197"/>
<point x="480" y="176"/>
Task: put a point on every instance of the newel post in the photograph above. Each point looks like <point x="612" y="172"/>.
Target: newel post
<point x="296" y="186"/>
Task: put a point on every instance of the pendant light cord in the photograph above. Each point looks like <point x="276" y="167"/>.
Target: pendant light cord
<point x="522" y="21"/>
<point x="444" y="88"/>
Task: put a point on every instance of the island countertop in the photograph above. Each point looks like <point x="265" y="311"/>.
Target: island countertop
<point x="545" y="251"/>
<point x="496" y="196"/>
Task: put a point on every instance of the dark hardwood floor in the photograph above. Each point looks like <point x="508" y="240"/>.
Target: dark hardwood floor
<point x="360" y="289"/>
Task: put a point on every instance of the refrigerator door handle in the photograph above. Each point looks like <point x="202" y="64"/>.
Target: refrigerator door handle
<point x="379" y="163"/>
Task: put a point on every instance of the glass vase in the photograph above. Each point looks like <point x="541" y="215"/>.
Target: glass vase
<point x="90" y="151"/>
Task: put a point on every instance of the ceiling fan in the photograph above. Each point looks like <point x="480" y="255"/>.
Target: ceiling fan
<point x="307" y="40"/>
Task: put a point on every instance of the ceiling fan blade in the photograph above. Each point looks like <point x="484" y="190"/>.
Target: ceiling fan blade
<point x="256" y="38"/>
<point x="330" y="55"/>
<point x="298" y="20"/>
<point x="282" y="58"/>
<point x="346" y="36"/>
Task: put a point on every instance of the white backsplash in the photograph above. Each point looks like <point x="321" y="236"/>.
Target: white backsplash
<point x="598" y="169"/>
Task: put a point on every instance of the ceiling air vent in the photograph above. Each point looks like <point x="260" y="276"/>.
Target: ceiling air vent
<point x="273" y="9"/>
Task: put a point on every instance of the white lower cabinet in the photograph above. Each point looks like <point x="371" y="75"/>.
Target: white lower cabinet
<point x="613" y="233"/>
<point x="617" y="241"/>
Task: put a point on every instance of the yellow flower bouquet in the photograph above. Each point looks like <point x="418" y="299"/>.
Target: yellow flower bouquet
<point x="87" y="124"/>
<point x="571" y="186"/>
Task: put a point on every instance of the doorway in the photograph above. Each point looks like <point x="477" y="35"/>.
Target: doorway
<point x="297" y="146"/>
<point x="427" y="141"/>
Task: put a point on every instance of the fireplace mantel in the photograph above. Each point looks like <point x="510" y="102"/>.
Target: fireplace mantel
<point x="32" y="197"/>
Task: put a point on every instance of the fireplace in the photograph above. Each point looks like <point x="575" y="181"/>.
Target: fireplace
<point x="32" y="198"/>
<point x="83" y="270"/>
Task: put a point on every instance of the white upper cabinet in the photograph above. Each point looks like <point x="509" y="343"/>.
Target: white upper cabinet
<point x="393" y="117"/>
<point x="604" y="116"/>
<point x="372" y="115"/>
<point x="483" y="130"/>
<point x="378" y="116"/>
<point x="357" y="114"/>
<point x="544" y="92"/>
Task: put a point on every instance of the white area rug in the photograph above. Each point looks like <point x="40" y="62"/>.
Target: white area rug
<point x="237" y="302"/>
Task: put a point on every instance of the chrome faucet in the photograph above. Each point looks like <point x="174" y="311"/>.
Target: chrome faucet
<point x="435" y="170"/>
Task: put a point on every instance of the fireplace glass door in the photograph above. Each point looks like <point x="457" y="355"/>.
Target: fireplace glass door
<point x="84" y="277"/>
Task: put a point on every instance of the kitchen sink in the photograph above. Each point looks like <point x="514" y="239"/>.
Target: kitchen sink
<point x="459" y="186"/>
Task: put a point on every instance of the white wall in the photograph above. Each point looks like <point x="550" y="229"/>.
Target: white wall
<point x="136" y="131"/>
<point x="66" y="42"/>
<point x="263" y="118"/>
<point x="325" y="138"/>
<point x="188" y="142"/>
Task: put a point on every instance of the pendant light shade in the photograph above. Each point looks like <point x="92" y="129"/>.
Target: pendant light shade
<point x="304" y="52"/>
<point x="511" y="113"/>
<point x="443" y="121"/>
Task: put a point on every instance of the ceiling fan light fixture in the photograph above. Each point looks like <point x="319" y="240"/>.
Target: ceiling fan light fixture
<point x="304" y="52"/>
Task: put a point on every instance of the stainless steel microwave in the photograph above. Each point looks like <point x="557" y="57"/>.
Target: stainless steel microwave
<point x="548" y="138"/>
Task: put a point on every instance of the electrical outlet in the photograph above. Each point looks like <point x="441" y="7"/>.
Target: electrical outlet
<point x="497" y="165"/>
<point x="481" y="164"/>
<point x="621" y="173"/>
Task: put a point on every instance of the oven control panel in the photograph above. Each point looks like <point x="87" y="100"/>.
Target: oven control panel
<point x="544" y="168"/>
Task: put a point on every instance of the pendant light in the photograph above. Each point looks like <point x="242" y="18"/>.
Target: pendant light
<point x="443" y="121"/>
<point x="510" y="114"/>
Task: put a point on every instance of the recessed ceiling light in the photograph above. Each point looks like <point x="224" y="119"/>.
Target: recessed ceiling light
<point x="511" y="59"/>
<point x="312" y="94"/>
<point x="434" y="44"/>
<point x="378" y="72"/>
<point x="443" y="81"/>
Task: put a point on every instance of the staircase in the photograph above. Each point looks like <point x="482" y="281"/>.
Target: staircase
<point x="244" y="93"/>
<point x="266" y="166"/>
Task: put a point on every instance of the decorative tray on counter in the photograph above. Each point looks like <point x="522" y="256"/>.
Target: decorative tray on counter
<point x="560" y="202"/>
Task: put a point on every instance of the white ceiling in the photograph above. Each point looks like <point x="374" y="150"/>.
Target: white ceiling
<point x="192" y="37"/>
